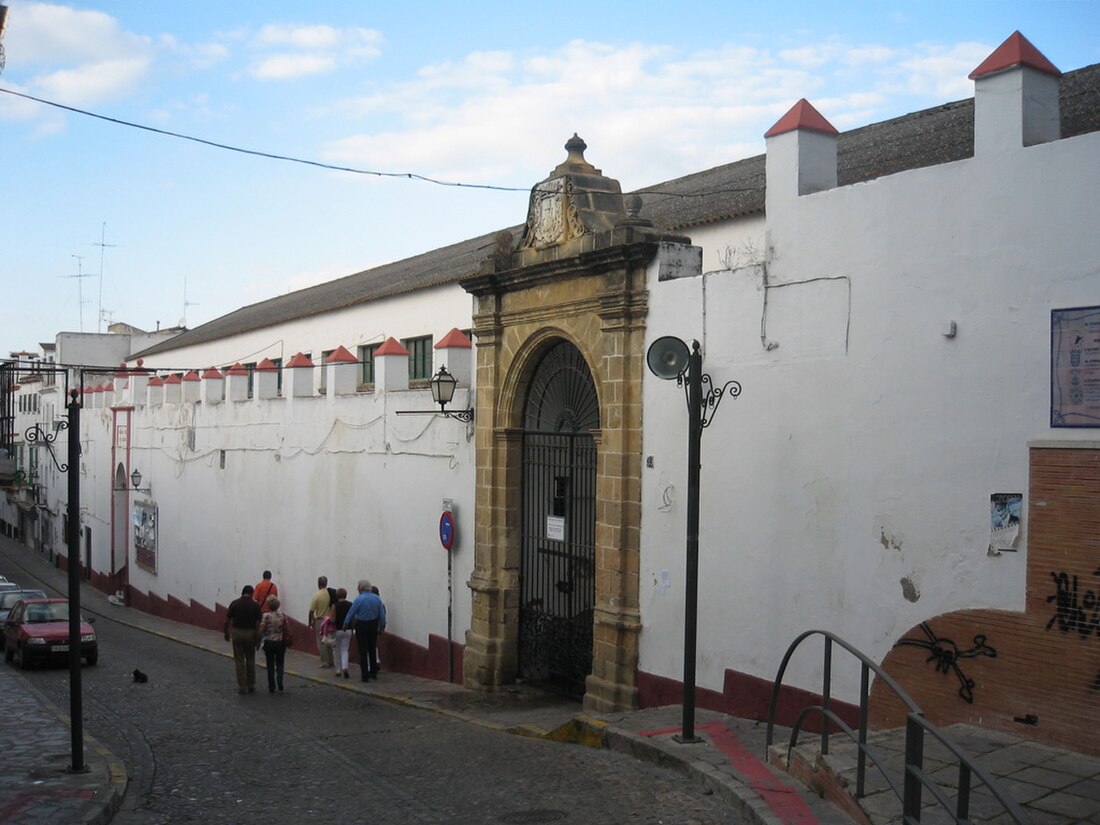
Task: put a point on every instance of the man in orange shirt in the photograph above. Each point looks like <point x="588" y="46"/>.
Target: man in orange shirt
<point x="265" y="588"/>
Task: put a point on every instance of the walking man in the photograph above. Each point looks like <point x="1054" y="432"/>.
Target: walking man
<point x="243" y="618"/>
<point x="366" y="617"/>
<point x="320" y="607"/>
<point x="265" y="588"/>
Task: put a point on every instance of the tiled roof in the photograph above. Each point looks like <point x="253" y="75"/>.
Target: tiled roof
<point x="925" y="138"/>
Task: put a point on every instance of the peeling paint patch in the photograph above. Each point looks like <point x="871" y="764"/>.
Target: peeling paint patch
<point x="889" y="542"/>
<point x="909" y="590"/>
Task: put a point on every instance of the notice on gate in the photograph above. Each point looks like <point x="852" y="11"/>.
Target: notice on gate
<point x="555" y="528"/>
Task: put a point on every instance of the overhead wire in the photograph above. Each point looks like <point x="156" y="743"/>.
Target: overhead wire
<point x="337" y="168"/>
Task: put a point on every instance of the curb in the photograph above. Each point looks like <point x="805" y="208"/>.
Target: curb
<point x="117" y="778"/>
<point x="739" y="795"/>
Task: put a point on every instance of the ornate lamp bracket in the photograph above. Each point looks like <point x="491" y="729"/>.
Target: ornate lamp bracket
<point x="35" y="435"/>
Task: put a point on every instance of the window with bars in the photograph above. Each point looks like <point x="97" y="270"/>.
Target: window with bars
<point x="278" y="362"/>
<point x="366" y="360"/>
<point x="420" y="357"/>
<point x="325" y="353"/>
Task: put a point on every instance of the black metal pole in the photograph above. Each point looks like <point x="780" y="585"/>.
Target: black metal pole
<point x="691" y="585"/>
<point x="76" y="710"/>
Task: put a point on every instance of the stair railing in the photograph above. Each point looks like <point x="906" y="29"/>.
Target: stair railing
<point x="909" y="789"/>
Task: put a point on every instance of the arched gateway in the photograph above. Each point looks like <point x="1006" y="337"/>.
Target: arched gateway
<point x="560" y="325"/>
<point x="558" y="528"/>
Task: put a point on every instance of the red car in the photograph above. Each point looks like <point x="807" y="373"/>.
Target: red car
<point x="37" y="630"/>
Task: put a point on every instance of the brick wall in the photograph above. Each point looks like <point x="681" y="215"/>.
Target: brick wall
<point x="1035" y="673"/>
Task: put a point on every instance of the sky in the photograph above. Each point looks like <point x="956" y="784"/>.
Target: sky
<point x="106" y="222"/>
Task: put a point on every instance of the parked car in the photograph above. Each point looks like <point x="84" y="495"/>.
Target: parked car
<point x="37" y="630"/>
<point x="8" y="598"/>
<point x="7" y="585"/>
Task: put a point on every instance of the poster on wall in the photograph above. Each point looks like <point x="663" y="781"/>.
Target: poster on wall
<point x="1004" y="520"/>
<point x="1075" y="367"/>
<point x="145" y="535"/>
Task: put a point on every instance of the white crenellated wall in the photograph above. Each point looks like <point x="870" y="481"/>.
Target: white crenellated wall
<point x="848" y="487"/>
<point x="313" y="484"/>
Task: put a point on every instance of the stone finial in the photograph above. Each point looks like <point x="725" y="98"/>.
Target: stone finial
<point x="575" y="200"/>
<point x="634" y="205"/>
<point x="574" y="161"/>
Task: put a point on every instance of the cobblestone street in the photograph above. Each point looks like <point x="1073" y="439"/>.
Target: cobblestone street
<point x="196" y="751"/>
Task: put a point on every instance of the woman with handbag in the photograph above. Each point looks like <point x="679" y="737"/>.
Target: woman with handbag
<point x="275" y="631"/>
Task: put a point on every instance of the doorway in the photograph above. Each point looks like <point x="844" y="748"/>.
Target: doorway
<point x="558" y="525"/>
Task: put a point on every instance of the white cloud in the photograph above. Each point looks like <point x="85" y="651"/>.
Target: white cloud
<point x="292" y="51"/>
<point x="43" y="33"/>
<point x="942" y="72"/>
<point x="868" y="54"/>
<point x="91" y="82"/>
<point x="284" y="66"/>
<point x="302" y="37"/>
<point x="647" y="112"/>
<point x="74" y="57"/>
<point x="199" y="55"/>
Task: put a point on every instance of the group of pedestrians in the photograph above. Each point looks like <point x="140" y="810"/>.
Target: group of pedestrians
<point x="334" y="620"/>
<point x="256" y="620"/>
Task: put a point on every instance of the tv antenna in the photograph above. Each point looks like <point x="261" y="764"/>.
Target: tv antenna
<point x="102" y="246"/>
<point x="186" y="304"/>
<point x="80" y="276"/>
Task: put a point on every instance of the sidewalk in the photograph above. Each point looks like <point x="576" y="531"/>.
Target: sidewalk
<point x="730" y="761"/>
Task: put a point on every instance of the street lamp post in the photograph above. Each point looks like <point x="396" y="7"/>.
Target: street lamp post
<point x="76" y="705"/>
<point x="669" y="358"/>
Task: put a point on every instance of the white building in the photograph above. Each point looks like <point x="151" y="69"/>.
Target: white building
<point x="893" y="303"/>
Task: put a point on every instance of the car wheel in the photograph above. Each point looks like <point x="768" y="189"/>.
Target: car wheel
<point x="21" y="657"/>
<point x="8" y="653"/>
<point x="93" y="659"/>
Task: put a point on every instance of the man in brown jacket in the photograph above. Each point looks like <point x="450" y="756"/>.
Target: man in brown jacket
<point x="243" y="618"/>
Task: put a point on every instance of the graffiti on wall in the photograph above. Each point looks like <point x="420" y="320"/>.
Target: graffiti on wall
<point x="945" y="656"/>
<point x="1075" y="611"/>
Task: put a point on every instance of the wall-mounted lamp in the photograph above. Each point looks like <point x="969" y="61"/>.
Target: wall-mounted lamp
<point x="135" y="479"/>
<point x="443" y="391"/>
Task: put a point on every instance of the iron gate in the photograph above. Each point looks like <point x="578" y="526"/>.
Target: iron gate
<point x="557" y="571"/>
<point x="558" y="527"/>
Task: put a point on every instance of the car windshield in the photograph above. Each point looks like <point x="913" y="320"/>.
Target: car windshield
<point x="8" y="600"/>
<point x="52" y="612"/>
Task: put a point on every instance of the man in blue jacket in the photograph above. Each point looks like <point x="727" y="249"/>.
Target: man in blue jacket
<point x="367" y="617"/>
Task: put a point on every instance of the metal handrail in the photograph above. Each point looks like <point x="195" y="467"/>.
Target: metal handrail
<point x="914" y="779"/>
